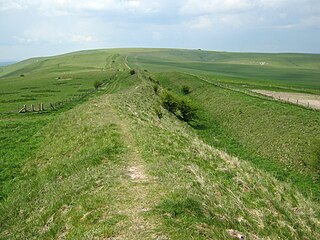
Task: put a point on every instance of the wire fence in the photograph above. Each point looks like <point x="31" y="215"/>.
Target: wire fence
<point x="51" y="106"/>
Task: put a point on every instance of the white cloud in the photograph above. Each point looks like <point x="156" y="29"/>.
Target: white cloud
<point x="215" y="6"/>
<point x="201" y="22"/>
<point x="10" y="5"/>
<point x="80" y="38"/>
<point x="25" y="39"/>
<point x="232" y="6"/>
<point x="64" y="7"/>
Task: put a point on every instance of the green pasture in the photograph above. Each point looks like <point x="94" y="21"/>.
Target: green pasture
<point x="118" y="165"/>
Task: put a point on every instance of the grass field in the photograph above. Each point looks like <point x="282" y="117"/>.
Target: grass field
<point x="117" y="165"/>
<point x="49" y="80"/>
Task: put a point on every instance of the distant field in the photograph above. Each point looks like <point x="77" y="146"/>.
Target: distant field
<point x="49" y="80"/>
<point x="276" y="70"/>
<point x="6" y="63"/>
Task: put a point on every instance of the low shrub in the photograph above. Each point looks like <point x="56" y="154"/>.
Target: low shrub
<point x="188" y="110"/>
<point x="185" y="89"/>
<point x="153" y="80"/>
<point x="181" y="107"/>
<point x="97" y="84"/>
<point x="156" y="88"/>
<point x="170" y="102"/>
<point x="132" y="72"/>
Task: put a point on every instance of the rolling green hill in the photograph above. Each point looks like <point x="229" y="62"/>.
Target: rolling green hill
<point x="114" y="163"/>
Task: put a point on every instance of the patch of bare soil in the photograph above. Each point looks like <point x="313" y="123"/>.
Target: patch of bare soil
<point x="137" y="173"/>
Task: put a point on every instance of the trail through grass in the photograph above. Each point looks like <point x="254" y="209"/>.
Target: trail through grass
<point x="120" y="166"/>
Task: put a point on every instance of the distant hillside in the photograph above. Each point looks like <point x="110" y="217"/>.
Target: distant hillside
<point x="6" y="63"/>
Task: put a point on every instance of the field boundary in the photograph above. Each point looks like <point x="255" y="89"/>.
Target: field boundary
<point x="252" y="93"/>
<point x="51" y="106"/>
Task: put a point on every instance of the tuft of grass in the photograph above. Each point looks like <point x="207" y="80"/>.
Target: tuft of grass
<point x="97" y="84"/>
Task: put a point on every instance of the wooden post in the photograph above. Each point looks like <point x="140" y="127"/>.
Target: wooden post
<point x="297" y="101"/>
<point x="32" y="108"/>
<point x="308" y="104"/>
<point x="41" y="107"/>
<point x="24" y="109"/>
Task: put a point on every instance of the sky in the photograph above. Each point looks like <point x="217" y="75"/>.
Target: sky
<point x="30" y="28"/>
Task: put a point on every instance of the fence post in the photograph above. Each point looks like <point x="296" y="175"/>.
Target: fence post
<point x="24" y="109"/>
<point x="32" y="108"/>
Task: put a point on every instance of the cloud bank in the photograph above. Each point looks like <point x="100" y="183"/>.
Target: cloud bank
<point x="42" y="27"/>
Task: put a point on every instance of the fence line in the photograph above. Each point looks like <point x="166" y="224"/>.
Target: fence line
<point x="292" y="101"/>
<point x="41" y="107"/>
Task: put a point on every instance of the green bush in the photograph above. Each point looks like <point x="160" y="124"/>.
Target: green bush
<point x="97" y="84"/>
<point x="185" y="89"/>
<point x="156" y="88"/>
<point x="154" y="81"/>
<point x="180" y="106"/>
<point x="132" y="71"/>
<point x="170" y="102"/>
<point x="188" y="110"/>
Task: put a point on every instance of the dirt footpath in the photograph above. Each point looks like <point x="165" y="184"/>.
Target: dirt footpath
<point x="307" y="100"/>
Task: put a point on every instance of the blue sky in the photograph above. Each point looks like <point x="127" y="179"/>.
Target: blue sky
<point x="38" y="28"/>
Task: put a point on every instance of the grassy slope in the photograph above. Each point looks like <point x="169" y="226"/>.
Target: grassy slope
<point x="280" y="138"/>
<point x="284" y="70"/>
<point x="49" y="80"/>
<point x="208" y="191"/>
<point x="79" y="185"/>
<point x="266" y="131"/>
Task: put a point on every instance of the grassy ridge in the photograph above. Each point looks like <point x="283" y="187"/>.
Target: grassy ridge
<point x="206" y="192"/>
<point x="113" y="167"/>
